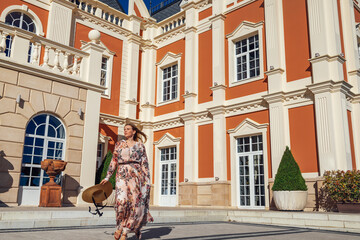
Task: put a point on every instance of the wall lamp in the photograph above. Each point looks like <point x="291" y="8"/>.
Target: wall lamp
<point x="18" y="99"/>
<point x="79" y="112"/>
<point x="317" y="55"/>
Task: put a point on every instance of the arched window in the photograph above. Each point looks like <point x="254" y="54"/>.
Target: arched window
<point x="23" y="21"/>
<point x="44" y="139"/>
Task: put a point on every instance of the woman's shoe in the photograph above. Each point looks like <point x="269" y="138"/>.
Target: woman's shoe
<point x="138" y="234"/>
<point x="117" y="234"/>
<point x="123" y="236"/>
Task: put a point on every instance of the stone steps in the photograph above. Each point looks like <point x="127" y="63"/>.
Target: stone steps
<point x="12" y="219"/>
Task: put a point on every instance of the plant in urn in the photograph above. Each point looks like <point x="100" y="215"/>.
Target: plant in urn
<point x="50" y="195"/>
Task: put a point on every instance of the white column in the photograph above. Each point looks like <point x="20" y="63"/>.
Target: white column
<point x="219" y="143"/>
<point x="218" y="50"/>
<point x="189" y="147"/>
<point x="350" y="43"/>
<point x="91" y="72"/>
<point x="332" y="125"/>
<point x="132" y="77"/>
<point x="279" y="129"/>
<point x="275" y="45"/>
<point x="60" y="21"/>
<point x="147" y="129"/>
<point x="325" y="41"/>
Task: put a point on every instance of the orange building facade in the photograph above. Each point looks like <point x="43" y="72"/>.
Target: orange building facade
<point x="220" y="87"/>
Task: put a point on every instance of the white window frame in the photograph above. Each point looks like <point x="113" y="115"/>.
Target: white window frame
<point x="246" y="128"/>
<point x="168" y="60"/>
<point x="110" y="59"/>
<point x="244" y="30"/>
<point x="166" y="141"/>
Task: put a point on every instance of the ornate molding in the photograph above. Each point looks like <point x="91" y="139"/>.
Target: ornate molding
<point x="112" y="120"/>
<point x="170" y="34"/>
<point x="169" y="123"/>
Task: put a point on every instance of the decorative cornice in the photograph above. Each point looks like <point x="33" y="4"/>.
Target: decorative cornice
<point x="112" y="120"/>
<point x="258" y="104"/>
<point x="187" y="116"/>
<point x="190" y="30"/>
<point x="147" y="105"/>
<point x="328" y="58"/>
<point x="169" y="123"/>
<point x="354" y="73"/>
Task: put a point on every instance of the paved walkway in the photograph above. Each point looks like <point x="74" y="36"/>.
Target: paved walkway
<point x="182" y="231"/>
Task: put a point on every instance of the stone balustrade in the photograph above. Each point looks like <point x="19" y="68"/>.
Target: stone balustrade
<point x="175" y="21"/>
<point x="26" y="47"/>
<point x="101" y="10"/>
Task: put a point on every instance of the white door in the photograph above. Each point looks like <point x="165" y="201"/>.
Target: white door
<point x="168" y="177"/>
<point x="44" y="139"/>
<point x="251" y="180"/>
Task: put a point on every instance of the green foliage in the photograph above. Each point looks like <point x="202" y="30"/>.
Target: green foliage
<point x="288" y="176"/>
<point x="101" y="172"/>
<point x="343" y="187"/>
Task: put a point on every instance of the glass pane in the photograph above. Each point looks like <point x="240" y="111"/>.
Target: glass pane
<point x="35" y="181"/>
<point x="30" y="129"/>
<point x="51" y="131"/>
<point x="35" y="171"/>
<point x="40" y="119"/>
<point x="40" y="130"/>
<point x="37" y="160"/>
<point x="39" y="142"/>
<point x="24" y="181"/>
<point x="25" y="171"/>
<point x="29" y="141"/>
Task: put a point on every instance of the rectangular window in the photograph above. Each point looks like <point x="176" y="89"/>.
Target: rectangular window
<point x="247" y="58"/>
<point x="170" y="83"/>
<point x="104" y="72"/>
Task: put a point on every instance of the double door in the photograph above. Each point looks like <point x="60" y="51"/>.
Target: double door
<point x="168" y="188"/>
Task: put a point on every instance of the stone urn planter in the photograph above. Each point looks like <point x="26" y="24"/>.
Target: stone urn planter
<point x="290" y="200"/>
<point x="289" y="189"/>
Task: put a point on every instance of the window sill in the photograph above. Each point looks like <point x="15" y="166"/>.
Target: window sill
<point x="167" y="102"/>
<point x="248" y="80"/>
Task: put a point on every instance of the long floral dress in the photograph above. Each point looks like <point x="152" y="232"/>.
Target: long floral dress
<point x="132" y="187"/>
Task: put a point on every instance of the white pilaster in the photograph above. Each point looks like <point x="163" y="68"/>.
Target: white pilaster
<point x="20" y="47"/>
<point x="332" y="125"/>
<point x="219" y="143"/>
<point x="92" y="72"/>
<point x="189" y="147"/>
<point x="325" y="40"/>
<point x="60" y="21"/>
<point x="279" y="129"/>
<point x="218" y="49"/>
<point x="275" y="46"/>
<point x="350" y="43"/>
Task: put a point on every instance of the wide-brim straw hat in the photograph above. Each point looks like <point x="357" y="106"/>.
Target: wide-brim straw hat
<point x="99" y="192"/>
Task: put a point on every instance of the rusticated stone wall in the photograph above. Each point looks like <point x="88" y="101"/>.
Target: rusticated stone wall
<point x="38" y="95"/>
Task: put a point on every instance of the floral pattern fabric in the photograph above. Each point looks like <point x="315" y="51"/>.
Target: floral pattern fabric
<point x="132" y="188"/>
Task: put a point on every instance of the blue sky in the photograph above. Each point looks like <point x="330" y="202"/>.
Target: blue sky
<point x="125" y="3"/>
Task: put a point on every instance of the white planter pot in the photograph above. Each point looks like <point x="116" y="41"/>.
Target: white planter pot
<point x="290" y="200"/>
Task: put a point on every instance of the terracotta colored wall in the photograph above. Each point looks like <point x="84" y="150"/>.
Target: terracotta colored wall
<point x="303" y="138"/>
<point x="342" y="40"/>
<point x="205" y="67"/>
<point x="206" y="13"/>
<point x="357" y="15"/>
<point x="109" y="131"/>
<point x="137" y="11"/>
<point x="253" y="12"/>
<point x="297" y="45"/>
<point x="232" y="122"/>
<point x="206" y="156"/>
<point x="351" y="140"/>
<point x="176" y="132"/>
<point x="176" y="48"/>
<point x="108" y="106"/>
<point x="41" y="13"/>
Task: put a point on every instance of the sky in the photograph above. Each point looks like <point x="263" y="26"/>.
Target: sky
<point x="125" y="3"/>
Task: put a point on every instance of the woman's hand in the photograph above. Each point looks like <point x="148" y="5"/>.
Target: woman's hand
<point x="103" y="182"/>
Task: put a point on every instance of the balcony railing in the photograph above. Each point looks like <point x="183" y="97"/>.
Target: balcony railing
<point x="28" y="48"/>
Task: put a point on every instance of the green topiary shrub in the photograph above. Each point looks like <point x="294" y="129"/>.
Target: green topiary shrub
<point x="101" y="172"/>
<point x="288" y="176"/>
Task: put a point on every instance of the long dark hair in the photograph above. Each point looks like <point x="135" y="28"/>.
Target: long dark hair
<point x="138" y="132"/>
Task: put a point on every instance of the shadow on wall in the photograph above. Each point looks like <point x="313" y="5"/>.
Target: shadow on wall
<point x="70" y="190"/>
<point x="6" y="179"/>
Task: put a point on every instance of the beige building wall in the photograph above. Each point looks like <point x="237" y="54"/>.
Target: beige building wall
<point x="38" y="95"/>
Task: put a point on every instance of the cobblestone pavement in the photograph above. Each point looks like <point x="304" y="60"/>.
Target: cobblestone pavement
<point x="182" y="231"/>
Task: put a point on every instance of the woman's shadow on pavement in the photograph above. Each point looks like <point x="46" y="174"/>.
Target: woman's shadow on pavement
<point x="153" y="233"/>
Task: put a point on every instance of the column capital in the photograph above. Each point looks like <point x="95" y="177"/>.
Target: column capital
<point x="217" y="110"/>
<point x="217" y="17"/>
<point x="187" y="116"/>
<point x="148" y="105"/>
<point x="190" y="30"/>
<point x="132" y="102"/>
<point x="328" y="58"/>
<point x="278" y="97"/>
<point x="218" y="87"/>
<point x="189" y="95"/>
<point x="274" y="71"/>
<point x="330" y="86"/>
